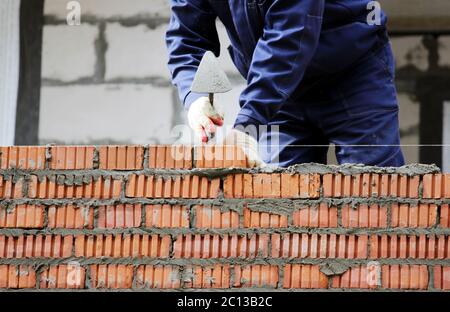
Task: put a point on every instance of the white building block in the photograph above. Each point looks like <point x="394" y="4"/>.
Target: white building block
<point x="132" y="114"/>
<point x="111" y="8"/>
<point x="136" y="52"/>
<point x="68" y="52"/>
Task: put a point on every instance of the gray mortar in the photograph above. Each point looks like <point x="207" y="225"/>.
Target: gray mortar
<point x="334" y="267"/>
<point x="311" y="168"/>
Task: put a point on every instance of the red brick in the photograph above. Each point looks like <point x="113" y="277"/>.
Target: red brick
<point x="120" y="216"/>
<point x="30" y="246"/>
<point x="313" y="216"/>
<point x="22" y="216"/>
<point x="436" y="186"/>
<point x="72" y="157"/>
<point x="70" y="217"/>
<point x="406" y="215"/>
<point x="371" y="185"/>
<point x="318" y="246"/>
<point x="207" y="216"/>
<point x="203" y="246"/>
<point x="263" y="186"/>
<point x="290" y="183"/>
<point x="409" y="246"/>
<point x="121" y="157"/>
<point x="360" y="277"/>
<point x="122" y="246"/>
<point x="114" y="276"/>
<point x="216" y="156"/>
<point x="364" y="216"/>
<point x="11" y="188"/>
<point x="99" y="188"/>
<point x="441" y="277"/>
<point x="304" y="276"/>
<point x="167" y="216"/>
<point x="272" y="186"/>
<point x="444" y="216"/>
<point x="385" y="185"/>
<point x="17" y="276"/>
<point x="257" y="219"/>
<point x="314" y="186"/>
<point x="170" y="157"/>
<point x="217" y="276"/>
<point x="70" y="276"/>
<point x="190" y="187"/>
<point x="256" y="276"/>
<point x="22" y="157"/>
<point x="404" y="277"/>
<point x="158" y="276"/>
<point x="328" y="185"/>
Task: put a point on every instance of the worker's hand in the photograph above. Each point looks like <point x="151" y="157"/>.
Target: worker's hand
<point x="204" y="119"/>
<point x="248" y="145"/>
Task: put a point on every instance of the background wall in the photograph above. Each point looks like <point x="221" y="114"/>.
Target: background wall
<point x="106" y="81"/>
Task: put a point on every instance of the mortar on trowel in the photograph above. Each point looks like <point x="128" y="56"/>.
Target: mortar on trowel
<point x="210" y="79"/>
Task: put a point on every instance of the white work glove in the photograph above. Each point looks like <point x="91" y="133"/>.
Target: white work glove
<point x="204" y="119"/>
<point x="248" y="145"/>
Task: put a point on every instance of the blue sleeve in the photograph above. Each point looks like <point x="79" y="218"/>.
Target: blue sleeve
<point x="289" y="41"/>
<point x="192" y="31"/>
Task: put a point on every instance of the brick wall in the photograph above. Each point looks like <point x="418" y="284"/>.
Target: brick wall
<point x="172" y="217"/>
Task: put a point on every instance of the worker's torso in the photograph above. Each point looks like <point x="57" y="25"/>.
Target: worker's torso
<point x="345" y="37"/>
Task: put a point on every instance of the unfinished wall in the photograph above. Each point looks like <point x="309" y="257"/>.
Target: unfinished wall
<point x="172" y="217"/>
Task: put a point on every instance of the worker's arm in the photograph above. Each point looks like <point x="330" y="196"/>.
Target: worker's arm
<point x="289" y="41"/>
<point x="192" y="31"/>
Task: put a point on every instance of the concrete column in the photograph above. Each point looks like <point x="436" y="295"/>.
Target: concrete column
<point x="9" y="68"/>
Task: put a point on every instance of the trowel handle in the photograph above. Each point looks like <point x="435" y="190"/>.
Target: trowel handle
<point x="211" y="98"/>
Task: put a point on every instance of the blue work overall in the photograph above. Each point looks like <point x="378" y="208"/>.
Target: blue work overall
<point x="321" y="71"/>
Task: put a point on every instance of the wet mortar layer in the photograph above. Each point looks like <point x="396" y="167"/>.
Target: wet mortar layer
<point x="312" y="168"/>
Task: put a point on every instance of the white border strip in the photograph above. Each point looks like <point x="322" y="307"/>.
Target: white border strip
<point x="9" y="68"/>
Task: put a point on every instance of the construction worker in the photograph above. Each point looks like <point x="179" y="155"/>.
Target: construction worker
<point x="322" y="71"/>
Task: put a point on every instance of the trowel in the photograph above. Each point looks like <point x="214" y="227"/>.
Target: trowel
<point x="210" y="78"/>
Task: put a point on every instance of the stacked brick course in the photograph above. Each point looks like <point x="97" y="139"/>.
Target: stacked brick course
<point x="180" y="217"/>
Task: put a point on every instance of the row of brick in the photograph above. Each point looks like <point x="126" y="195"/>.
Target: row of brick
<point x="295" y="276"/>
<point x="115" y="157"/>
<point x="209" y="246"/>
<point x="208" y="216"/>
<point x="191" y="186"/>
